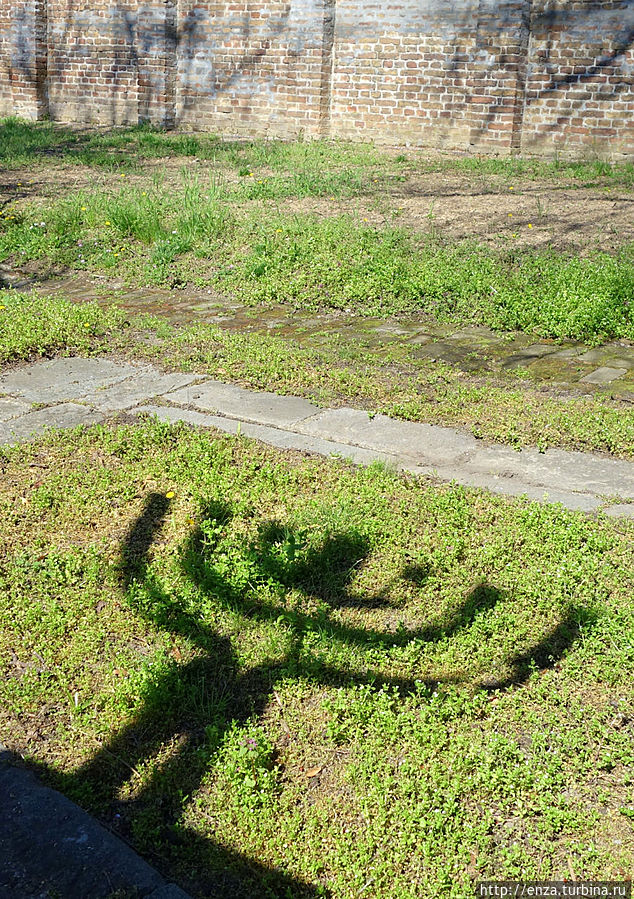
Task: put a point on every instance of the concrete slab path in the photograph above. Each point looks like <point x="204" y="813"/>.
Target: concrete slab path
<point x="49" y="848"/>
<point x="63" y="393"/>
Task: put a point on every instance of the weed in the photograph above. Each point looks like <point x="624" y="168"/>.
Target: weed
<point x="333" y="263"/>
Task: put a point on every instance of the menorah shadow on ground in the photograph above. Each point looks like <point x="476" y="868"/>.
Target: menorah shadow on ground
<point x="212" y="688"/>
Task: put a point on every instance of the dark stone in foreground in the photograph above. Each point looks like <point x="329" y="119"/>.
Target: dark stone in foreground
<point x="52" y="849"/>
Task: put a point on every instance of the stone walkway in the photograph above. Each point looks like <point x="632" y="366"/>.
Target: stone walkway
<point x="63" y="393"/>
<point x="49" y="847"/>
<point x="477" y="350"/>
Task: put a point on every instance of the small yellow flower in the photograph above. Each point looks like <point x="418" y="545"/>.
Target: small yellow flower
<point x="122" y="176"/>
<point x="83" y="208"/>
<point x="530" y="226"/>
<point x="278" y="230"/>
<point x="510" y="215"/>
<point x="191" y="521"/>
<point x="86" y="325"/>
<point x="170" y="494"/>
<point x="107" y="222"/>
<point x="3" y="307"/>
<point x="511" y="188"/>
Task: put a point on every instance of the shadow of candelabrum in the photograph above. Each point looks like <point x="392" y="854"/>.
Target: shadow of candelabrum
<point x="214" y="689"/>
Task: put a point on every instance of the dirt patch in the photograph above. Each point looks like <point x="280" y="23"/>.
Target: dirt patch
<point x="533" y="213"/>
<point x="538" y="212"/>
<point x="541" y="215"/>
<point x="50" y="182"/>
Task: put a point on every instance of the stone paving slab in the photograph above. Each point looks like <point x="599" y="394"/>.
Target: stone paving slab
<point x="578" y="480"/>
<point x="620" y="510"/>
<point x="557" y="470"/>
<point x="65" y="415"/>
<point x="425" y="444"/>
<point x="59" y="380"/>
<point x="544" y="477"/>
<point x="273" y="436"/>
<point x="508" y="484"/>
<point x="11" y="408"/>
<point x="249" y="405"/>
<point x="141" y="386"/>
<point x="603" y="354"/>
<point x="49" y="847"/>
<point x="526" y="355"/>
<point x="603" y="375"/>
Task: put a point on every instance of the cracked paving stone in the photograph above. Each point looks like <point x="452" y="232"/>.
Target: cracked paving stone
<point x="12" y="408"/>
<point x="58" y="380"/>
<point x="66" y="415"/>
<point x="142" y="386"/>
<point x="251" y="405"/>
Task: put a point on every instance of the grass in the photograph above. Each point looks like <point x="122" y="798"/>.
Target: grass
<point x="22" y="143"/>
<point x="288" y="677"/>
<point x="519" y="415"/>
<point x="582" y="172"/>
<point x="199" y="235"/>
<point x="278" y="676"/>
<point x="31" y="330"/>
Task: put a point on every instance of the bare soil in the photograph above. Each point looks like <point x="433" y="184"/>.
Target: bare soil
<point x="540" y="213"/>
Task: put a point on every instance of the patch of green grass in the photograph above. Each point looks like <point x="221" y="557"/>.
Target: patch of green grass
<point x="336" y="372"/>
<point x="336" y="263"/>
<point x="312" y="680"/>
<point x="307" y="183"/>
<point x="31" y="329"/>
<point x="327" y="263"/>
<point x="22" y="142"/>
<point x="583" y="173"/>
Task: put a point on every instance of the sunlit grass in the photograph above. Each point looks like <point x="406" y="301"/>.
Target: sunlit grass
<point x="199" y="235"/>
<point x="417" y="390"/>
<point x="239" y="658"/>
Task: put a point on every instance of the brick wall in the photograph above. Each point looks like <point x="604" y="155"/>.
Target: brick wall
<point x="23" y="58"/>
<point x="580" y="77"/>
<point x="251" y="67"/>
<point x="492" y="75"/>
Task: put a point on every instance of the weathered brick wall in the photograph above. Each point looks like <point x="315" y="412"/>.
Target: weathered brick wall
<point x="446" y="74"/>
<point x="23" y="58"/>
<point x="111" y="63"/>
<point x="580" y="81"/>
<point x="490" y="75"/>
<point x="6" y="98"/>
<point x="92" y="67"/>
<point x="251" y="67"/>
